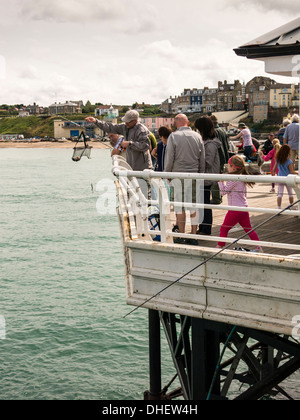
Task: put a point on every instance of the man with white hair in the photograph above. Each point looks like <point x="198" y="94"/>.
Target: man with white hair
<point x="291" y="136"/>
<point x="136" y="139"/>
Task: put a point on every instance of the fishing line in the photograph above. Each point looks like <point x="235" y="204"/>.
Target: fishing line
<point x="80" y="126"/>
<point x="219" y="361"/>
<point x="210" y="258"/>
<point x="261" y="229"/>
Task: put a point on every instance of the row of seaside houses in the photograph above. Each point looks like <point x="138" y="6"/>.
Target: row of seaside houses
<point x="259" y="97"/>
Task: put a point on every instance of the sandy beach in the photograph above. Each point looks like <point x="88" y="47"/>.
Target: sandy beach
<point x="50" y="145"/>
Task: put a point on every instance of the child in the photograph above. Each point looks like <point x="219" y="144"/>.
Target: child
<point x="237" y="196"/>
<point x="285" y="167"/>
<point x="271" y="156"/>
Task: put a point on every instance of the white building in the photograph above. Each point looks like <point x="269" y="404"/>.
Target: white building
<point x="109" y="111"/>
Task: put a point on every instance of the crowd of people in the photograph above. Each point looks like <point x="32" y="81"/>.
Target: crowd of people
<point x="204" y="149"/>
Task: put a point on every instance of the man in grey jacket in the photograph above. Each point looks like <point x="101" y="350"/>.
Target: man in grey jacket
<point x="291" y="137"/>
<point x="184" y="153"/>
<point x="136" y="139"/>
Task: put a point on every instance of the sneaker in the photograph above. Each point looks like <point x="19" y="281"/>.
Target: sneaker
<point x="190" y="241"/>
<point x="272" y="190"/>
<point x="257" y="250"/>
<point x="179" y="241"/>
<point x="241" y="249"/>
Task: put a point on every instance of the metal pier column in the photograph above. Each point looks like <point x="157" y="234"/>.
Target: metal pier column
<point x="155" y="391"/>
<point x="205" y="355"/>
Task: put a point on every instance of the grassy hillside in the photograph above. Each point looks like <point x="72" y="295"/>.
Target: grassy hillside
<point x="33" y="126"/>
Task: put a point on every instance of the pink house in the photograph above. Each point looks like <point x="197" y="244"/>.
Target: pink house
<point x="154" y="123"/>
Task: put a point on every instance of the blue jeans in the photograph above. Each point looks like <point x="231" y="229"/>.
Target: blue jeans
<point x="206" y="225"/>
<point x="248" y="152"/>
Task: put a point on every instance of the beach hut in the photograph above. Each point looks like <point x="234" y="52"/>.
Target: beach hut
<point x="278" y="49"/>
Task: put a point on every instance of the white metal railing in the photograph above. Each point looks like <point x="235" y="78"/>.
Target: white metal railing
<point x="136" y="203"/>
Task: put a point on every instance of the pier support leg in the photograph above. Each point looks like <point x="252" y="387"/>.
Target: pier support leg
<point x="256" y="359"/>
<point x="205" y="356"/>
<point x="155" y="392"/>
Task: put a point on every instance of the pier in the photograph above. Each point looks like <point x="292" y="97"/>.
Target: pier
<point x="206" y="300"/>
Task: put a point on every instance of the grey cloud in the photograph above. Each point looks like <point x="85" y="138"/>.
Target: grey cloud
<point x="139" y="26"/>
<point x="70" y="10"/>
<point x="263" y="6"/>
<point x="29" y="72"/>
<point x="133" y="19"/>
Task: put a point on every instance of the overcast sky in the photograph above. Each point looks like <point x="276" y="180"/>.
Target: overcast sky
<point x="123" y="51"/>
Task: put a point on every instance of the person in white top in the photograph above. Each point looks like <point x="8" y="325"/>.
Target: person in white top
<point x="245" y="133"/>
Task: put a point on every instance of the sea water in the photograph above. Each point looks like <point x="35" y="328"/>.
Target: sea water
<point x="62" y="287"/>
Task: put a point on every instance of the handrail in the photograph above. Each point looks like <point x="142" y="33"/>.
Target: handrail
<point x="290" y="180"/>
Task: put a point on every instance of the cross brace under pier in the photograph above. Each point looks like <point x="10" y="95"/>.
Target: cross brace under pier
<point x="254" y="364"/>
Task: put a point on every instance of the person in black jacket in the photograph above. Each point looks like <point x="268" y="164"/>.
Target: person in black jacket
<point x="159" y="152"/>
<point x="268" y="145"/>
<point x="216" y="197"/>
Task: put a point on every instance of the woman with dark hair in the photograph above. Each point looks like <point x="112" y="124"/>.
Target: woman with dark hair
<point x="212" y="165"/>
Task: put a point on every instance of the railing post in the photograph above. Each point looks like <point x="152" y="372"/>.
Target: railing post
<point x="164" y="210"/>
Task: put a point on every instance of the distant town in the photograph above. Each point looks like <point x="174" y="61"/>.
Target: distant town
<point x="260" y="100"/>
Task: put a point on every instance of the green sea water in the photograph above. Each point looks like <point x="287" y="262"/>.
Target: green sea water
<point x="62" y="287"/>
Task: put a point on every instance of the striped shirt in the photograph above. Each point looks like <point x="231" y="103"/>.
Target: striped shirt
<point x="236" y="191"/>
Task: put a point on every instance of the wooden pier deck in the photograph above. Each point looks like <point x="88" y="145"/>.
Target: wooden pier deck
<point x="282" y="228"/>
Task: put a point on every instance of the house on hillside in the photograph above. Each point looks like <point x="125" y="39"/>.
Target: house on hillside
<point x="107" y="110"/>
<point x="210" y="99"/>
<point x="231" y="96"/>
<point x="167" y="105"/>
<point x="281" y="95"/>
<point x="23" y="113"/>
<point x="69" y="107"/>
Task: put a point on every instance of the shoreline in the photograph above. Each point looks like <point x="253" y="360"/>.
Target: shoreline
<point x="67" y="144"/>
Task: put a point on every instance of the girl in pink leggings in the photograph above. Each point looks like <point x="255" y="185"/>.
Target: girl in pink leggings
<point x="237" y="196"/>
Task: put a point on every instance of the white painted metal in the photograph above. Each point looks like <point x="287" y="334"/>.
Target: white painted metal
<point x="255" y="291"/>
<point x="282" y="66"/>
<point x="259" y="291"/>
<point x="291" y="180"/>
